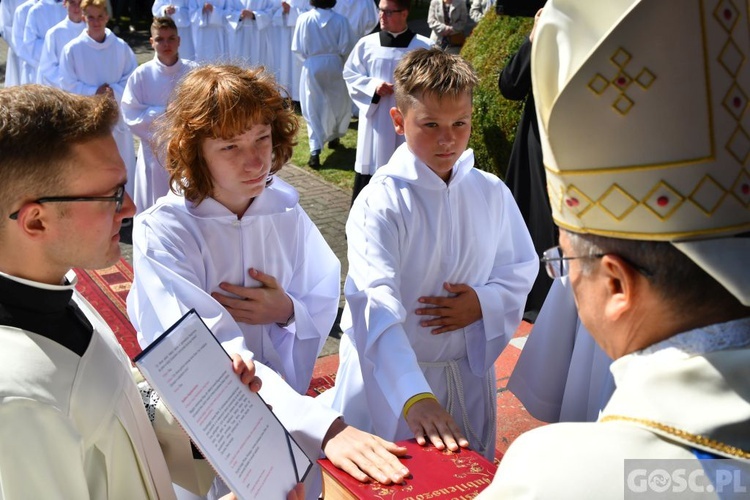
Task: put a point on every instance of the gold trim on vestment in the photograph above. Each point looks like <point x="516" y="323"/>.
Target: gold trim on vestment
<point x="691" y="438"/>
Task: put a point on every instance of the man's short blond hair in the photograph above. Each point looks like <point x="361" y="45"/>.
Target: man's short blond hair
<point x="102" y="4"/>
<point x="39" y="126"/>
<point x="431" y="72"/>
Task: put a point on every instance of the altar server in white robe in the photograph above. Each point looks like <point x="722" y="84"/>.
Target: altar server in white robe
<point x="234" y="242"/>
<point x="361" y="14"/>
<point x="26" y="63"/>
<point x="179" y="11"/>
<point x="248" y="32"/>
<point x="41" y="18"/>
<point x="322" y="40"/>
<point x="661" y="281"/>
<point x="368" y="73"/>
<point x="210" y="29"/>
<point x="286" y="65"/>
<point x="97" y="62"/>
<point x="12" y="63"/>
<point x="55" y="40"/>
<point x="145" y="99"/>
<point x="440" y="263"/>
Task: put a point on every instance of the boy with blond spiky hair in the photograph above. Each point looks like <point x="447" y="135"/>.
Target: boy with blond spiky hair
<point x="440" y="263"/>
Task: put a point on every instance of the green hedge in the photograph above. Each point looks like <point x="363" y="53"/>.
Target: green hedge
<point x="495" y="118"/>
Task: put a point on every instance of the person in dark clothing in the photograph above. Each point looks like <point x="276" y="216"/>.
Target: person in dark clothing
<point x="526" y="178"/>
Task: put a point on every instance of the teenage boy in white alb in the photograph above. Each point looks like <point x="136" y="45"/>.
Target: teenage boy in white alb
<point x="55" y="40"/>
<point x="145" y="99"/>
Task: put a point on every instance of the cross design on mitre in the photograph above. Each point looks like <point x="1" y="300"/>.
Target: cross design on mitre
<point x="621" y="81"/>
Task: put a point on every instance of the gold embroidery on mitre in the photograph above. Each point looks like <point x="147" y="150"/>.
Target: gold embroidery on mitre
<point x="617" y="202"/>
<point x="708" y="195"/>
<point x="663" y="200"/>
<point x="727" y="14"/>
<point x="696" y="439"/>
<point x="621" y="81"/>
<point x="741" y="189"/>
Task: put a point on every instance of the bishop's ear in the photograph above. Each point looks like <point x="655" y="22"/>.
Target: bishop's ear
<point x="398" y="120"/>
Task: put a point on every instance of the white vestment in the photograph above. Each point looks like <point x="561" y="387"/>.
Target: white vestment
<point x="479" y="8"/>
<point x="209" y="30"/>
<point x="408" y="234"/>
<point x="181" y="18"/>
<point x="562" y="374"/>
<point x="182" y="252"/>
<point x="285" y="65"/>
<point x="41" y="18"/>
<point x="369" y="65"/>
<point x="56" y="38"/>
<point x="74" y="426"/>
<point x="323" y="39"/>
<point x="248" y="39"/>
<point x="143" y="101"/>
<point x="12" y="63"/>
<point x="687" y="392"/>
<point x="85" y="65"/>
<point x="26" y="66"/>
<point x="361" y="14"/>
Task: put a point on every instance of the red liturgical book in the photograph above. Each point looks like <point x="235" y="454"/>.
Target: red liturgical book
<point x="434" y="474"/>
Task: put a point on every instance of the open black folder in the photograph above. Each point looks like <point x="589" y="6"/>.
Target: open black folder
<point x="233" y="427"/>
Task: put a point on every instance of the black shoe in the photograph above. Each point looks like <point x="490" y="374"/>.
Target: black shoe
<point x="314" y="161"/>
<point x="334" y="144"/>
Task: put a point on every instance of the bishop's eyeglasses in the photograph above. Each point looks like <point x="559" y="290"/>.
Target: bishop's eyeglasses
<point x="557" y="265"/>
<point x="118" y="198"/>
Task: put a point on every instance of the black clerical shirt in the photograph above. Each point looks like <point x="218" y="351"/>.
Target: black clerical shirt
<point x="49" y="313"/>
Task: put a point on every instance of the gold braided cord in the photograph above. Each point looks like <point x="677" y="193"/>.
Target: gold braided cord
<point x="691" y="438"/>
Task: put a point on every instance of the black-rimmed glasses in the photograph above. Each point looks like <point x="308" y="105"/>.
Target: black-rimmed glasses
<point x="557" y="265"/>
<point x="389" y="12"/>
<point x="118" y="198"/>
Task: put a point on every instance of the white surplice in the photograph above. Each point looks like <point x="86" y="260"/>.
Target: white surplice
<point x="56" y="38"/>
<point x="143" y="101"/>
<point x="74" y="426"/>
<point x="369" y="65"/>
<point x="249" y="39"/>
<point x="181" y="18"/>
<point x="25" y="57"/>
<point x="182" y="252"/>
<point x="323" y="39"/>
<point x="361" y="14"/>
<point x="408" y="234"/>
<point x="41" y="18"/>
<point x="210" y="30"/>
<point x="285" y="65"/>
<point x="562" y="375"/>
<point x="687" y="392"/>
<point x="85" y="65"/>
<point x="12" y="64"/>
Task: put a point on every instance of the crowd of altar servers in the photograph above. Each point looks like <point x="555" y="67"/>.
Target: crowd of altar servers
<point x="42" y="37"/>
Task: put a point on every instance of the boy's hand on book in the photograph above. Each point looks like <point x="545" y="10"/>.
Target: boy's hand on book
<point x="430" y="422"/>
<point x="451" y="313"/>
<point x="364" y="456"/>
<point x="246" y="370"/>
<point x="262" y="305"/>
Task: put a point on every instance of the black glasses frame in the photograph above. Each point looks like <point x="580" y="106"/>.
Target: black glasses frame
<point x="389" y="12"/>
<point x="118" y="198"/>
<point x="558" y="271"/>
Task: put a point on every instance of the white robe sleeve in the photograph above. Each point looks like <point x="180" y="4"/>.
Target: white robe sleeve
<point x="49" y="67"/>
<point x="361" y="84"/>
<point x="503" y="296"/>
<point x="372" y="293"/>
<point x="69" y="80"/>
<point x="129" y="66"/>
<point x="33" y="38"/>
<point x="138" y="115"/>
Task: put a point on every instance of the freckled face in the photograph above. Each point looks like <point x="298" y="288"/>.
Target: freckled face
<point x="437" y="130"/>
<point x="239" y="166"/>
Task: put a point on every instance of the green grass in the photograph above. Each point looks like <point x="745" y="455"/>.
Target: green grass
<point x="336" y="165"/>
